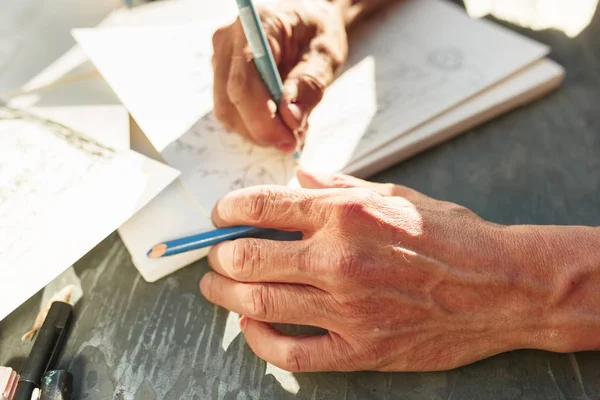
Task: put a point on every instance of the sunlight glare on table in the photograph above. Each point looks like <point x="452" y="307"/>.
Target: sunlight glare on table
<point x="568" y="16"/>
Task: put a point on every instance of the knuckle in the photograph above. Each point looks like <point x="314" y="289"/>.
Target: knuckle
<point x="348" y="264"/>
<point x="221" y="113"/>
<point x="218" y="38"/>
<point x="244" y="259"/>
<point x="260" y="204"/>
<point x="389" y="189"/>
<point x="333" y="55"/>
<point x="237" y="85"/>
<point x="296" y="359"/>
<point x="260" y="302"/>
<point x="312" y="87"/>
<point x="211" y="292"/>
<point x="355" y="206"/>
<point x="458" y="208"/>
<point x="340" y="180"/>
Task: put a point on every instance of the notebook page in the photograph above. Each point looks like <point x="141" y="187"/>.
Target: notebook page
<point x="523" y="87"/>
<point x="426" y="57"/>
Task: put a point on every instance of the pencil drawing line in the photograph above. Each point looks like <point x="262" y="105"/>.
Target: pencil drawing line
<point x="72" y="137"/>
<point x="446" y="59"/>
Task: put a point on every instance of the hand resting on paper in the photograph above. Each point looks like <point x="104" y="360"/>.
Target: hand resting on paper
<point x="309" y="44"/>
<point x="400" y="281"/>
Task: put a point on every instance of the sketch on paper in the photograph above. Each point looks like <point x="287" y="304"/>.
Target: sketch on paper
<point x="44" y="157"/>
<point x="214" y="162"/>
<point x="446" y="59"/>
<point x="418" y="84"/>
<point x="68" y="135"/>
<point x="44" y="160"/>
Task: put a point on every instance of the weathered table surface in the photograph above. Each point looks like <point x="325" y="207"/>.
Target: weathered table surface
<point x="538" y="165"/>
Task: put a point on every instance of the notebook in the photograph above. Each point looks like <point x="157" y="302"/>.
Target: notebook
<point x="410" y="82"/>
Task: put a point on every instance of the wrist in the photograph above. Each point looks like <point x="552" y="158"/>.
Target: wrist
<point x="559" y="268"/>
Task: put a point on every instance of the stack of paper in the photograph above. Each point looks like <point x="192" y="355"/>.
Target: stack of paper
<point x="418" y="74"/>
<point x="68" y="177"/>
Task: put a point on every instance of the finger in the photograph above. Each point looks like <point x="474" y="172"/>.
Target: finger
<point x="305" y="86"/>
<point x="315" y="180"/>
<point x="275" y="207"/>
<point x="258" y="260"/>
<point x="224" y="111"/>
<point x="250" y="97"/>
<point x="268" y="302"/>
<point x="295" y="353"/>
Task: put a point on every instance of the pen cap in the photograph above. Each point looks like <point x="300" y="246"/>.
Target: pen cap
<point x="49" y="341"/>
<point x="57" y="385"/>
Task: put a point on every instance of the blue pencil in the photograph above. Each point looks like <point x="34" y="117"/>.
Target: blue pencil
<point x="262" y="55"/>
<point x="202" y="240"/>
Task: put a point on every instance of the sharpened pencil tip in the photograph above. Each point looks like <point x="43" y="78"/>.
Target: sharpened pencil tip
<point x="157" y="251"/>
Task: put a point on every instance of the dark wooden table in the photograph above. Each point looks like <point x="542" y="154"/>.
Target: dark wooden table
<point x="537" y="165"/>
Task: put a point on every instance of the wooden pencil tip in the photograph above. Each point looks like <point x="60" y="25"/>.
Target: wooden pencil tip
<point x="157" y="251"/>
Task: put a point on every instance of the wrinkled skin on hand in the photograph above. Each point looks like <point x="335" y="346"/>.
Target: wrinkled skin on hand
<point x="400" y="281"/>
<point x="309" y="44"/>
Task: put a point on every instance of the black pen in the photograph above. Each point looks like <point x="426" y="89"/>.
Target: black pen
<point x="45" y="350"/>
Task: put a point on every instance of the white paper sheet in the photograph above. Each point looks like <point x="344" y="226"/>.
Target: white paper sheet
<point x="61" y="193"/>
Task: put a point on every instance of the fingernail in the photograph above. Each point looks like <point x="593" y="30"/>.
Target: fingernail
<point x="272" y="107"/>
<point x="322" y="177"/>
<point x="296" y="112"/>
<point x="286" y="146"/>
<point x="243" y="322"/>
<point x="298" y="115"/>
<point x="205" y="282"/>
<point x="290" y="90"/>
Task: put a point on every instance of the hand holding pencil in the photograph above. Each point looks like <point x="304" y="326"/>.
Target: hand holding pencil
<point x="308" y="44"/>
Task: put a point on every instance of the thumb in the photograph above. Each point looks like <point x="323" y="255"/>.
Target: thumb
<point x="304" y="88"/>
<point x="313" y="180"/>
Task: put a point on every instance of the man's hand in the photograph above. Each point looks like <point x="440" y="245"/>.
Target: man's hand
<point x="400" y="281"/>
<point x="309" y="44"/>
